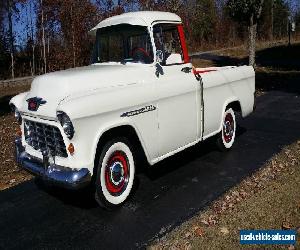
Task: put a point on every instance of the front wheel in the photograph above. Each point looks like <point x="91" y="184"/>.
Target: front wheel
<point x="115" y="173"/>
<point x="226" y="137"/>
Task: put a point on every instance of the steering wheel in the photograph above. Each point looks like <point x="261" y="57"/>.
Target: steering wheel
<point x="140" y="54"/>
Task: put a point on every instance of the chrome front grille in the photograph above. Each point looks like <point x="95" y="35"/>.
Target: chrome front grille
<point x="42" y="136"/>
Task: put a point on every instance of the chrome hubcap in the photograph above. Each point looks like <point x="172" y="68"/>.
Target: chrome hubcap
<point x="228" y="128"/>
<point x="117" y="173"/>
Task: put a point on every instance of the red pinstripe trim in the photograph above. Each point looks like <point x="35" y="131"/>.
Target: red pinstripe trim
<point x="202" y="71"/>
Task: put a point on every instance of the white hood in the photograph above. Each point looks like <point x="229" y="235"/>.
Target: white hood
<point x="55" y="87"/>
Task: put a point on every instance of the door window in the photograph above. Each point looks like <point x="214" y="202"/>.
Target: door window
<point x="166" y="39"/>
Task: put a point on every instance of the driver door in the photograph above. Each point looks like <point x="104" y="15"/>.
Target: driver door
<point x="178" y="93"/>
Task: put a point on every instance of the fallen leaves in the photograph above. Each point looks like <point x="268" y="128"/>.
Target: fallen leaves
<point x="12" y="181"/>
<point x="205" y="222"/>
<point x="198" y="231"/>
<point x="163" y="230"/>
<point x="286" y="225"/>
<point x="209" y="221"/>
<point x="187" y="246"/>
<point x="188" y="234"/>
<point x="224" y="230"/>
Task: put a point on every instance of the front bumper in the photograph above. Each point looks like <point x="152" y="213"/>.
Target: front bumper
<point x="61" y="176"/>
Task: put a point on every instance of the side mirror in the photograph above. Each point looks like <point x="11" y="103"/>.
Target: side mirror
<point x="159" y="56"/>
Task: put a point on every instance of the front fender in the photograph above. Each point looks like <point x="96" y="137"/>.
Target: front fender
<point x="116" y="124"/>
<point x="89" y="129"/>
<point x="18" y="100"/>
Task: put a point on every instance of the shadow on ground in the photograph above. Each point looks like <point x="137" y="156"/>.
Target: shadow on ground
<point x="281" y="58"/>
<point x="282" y="81"/>
<point x="280" y="69"/>
<point x="172" y="164"/>
<point x="4" y="105"/>
<point x="9" y="91"/>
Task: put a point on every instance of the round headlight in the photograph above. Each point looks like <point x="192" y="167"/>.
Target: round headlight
<point x="66" y="124"/>
<point x="17" y="114"/>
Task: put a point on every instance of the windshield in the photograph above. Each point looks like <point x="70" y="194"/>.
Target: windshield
<point x="123" y="43"/>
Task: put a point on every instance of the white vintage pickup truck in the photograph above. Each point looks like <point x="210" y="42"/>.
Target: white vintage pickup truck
<point x="140" y="97"/>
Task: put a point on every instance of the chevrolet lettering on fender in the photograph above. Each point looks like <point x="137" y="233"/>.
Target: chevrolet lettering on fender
<point x="139" y="102"/>
<point x="139" y="111"/>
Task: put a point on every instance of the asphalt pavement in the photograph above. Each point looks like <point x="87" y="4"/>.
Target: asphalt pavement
<point x="33" y="216"/>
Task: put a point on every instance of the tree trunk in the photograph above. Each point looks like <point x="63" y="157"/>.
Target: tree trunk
<point x="43" y="38"/>
<point x="12" y="65"/>
<point x="73" y="39"/>
<point x="41" y="66"/>
<point x="272" y="21"/>
<point x="11" y="37"/>
<point x="252" y="41"/>
<point x="32" y="40"/>
<point x="33" y="60"/>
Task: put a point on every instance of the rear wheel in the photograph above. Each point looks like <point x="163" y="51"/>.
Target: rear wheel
<point x="226" y="137"/>
<point x="115" y="173"/>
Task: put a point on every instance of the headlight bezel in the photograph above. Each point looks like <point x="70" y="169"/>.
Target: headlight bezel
<point x="17" y="114"/>
<point x="66" y="124"/>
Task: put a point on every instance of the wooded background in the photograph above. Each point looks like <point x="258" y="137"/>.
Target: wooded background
<point x="54" y="34"/>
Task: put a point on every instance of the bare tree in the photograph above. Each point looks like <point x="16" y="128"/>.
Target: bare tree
<point x="32" y="39"/>
<point x="73" y="37"/>
<point x="43" y="39"/>
<point x="11" y="36"/>
<point x="272" y="20"/>
<point x="248" y="12"/>
<point x="30" y="36"/>
<point x="174" y="5"/>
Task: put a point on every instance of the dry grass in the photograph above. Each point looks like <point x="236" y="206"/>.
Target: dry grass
<point x="269" y="199"/>
<point x="10" y="91"/>
<point x="242" y="51"/>
<point x="201" y="63"/>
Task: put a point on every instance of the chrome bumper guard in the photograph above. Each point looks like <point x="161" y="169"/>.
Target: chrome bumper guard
<point x="61" y="176"/>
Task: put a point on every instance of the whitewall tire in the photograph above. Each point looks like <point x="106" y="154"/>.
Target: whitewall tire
<point x="115" y="173"/>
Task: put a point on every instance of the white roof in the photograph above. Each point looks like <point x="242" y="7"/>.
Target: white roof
<point x="142" y="18"/>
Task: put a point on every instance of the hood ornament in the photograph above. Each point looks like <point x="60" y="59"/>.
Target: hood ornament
<point x="34" y="103"/>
